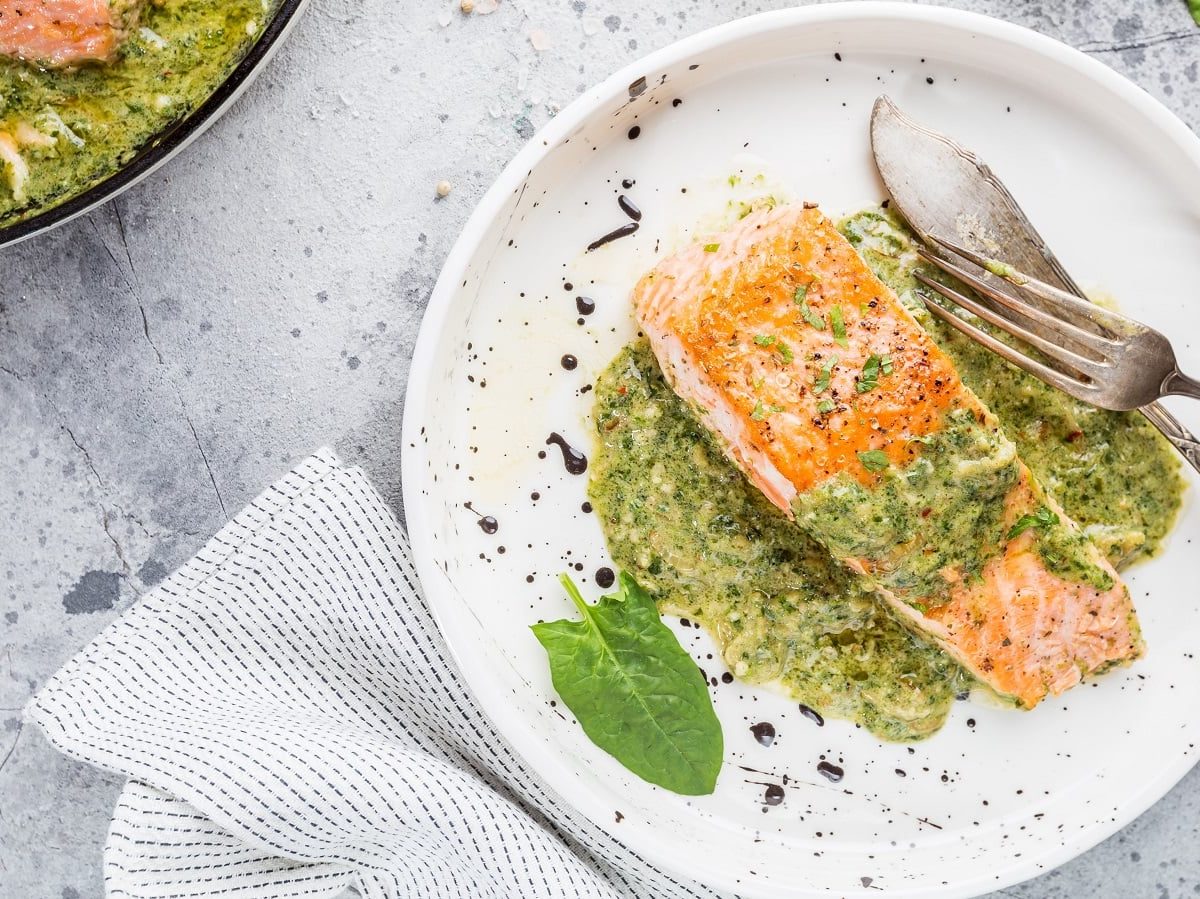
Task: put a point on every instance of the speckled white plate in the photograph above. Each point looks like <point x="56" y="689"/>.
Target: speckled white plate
<point x="1113" y="182"/>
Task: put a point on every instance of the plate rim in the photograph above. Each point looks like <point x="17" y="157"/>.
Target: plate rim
<point x="167" y="143"/>
<point x="546" y="764"/>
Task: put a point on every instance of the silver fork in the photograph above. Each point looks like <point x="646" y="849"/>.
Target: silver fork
<point x="1095" y="355"/>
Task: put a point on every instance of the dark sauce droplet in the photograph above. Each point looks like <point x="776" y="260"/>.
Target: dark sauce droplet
<point x="764" y="732"/>
<point x="568" y="286"/>
<point x="637" y="88"/>
<point x="573" y="459"/>
<point x="676" y="102"/>
<point x="635" y="132"/>
<point x="586" y="508"/>
<point x="774" y="794"/>
<point x="628" y="183"/>
<point x="628" y="207"/>
<point x="585" y="305"/>
<point x="569" y="362"/>
<point x="727" y="678"/>
<point x="605" y="578"/>
<point x="812" y="715"/>
<point x="487" y="523"/>
<point x="831" y="772"/>
<point x="615" y="234"/>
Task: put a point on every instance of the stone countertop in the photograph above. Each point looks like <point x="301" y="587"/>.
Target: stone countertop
<point x="165" y="357"/>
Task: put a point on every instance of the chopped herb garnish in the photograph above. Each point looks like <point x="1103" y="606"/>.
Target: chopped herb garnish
<point x="1042" y="519"/>
<point x="760" y="411"/>
<point x="801" y="294"/>
<point x="874" y="365"/>
<point x="825" y="406"/>
<point x="812" y="318"/>
<point x="765" y="339"/>
<point x="838" y="324"/>
<point x="885" y="364"/>
<point x="821" y="384"/>
<point x="785" y="351"/>
<point x="874" y="460"/>
<point x="711" y="247"/>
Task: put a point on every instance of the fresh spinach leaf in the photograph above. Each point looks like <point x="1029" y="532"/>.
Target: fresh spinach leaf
<point x="635" y="691"/>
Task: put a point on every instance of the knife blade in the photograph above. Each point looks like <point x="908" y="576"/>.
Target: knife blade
<point x="940" y="187"/>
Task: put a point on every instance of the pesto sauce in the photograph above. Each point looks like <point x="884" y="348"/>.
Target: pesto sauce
<point x="113" y="110"/>
<point x="688" y="525"/>
<point x="1112" y="472"/>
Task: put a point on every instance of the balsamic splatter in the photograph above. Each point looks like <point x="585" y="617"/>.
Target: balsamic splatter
<point x="628" y="183"/>
<point x="569" y="362"/>
<point x="635" y="132"/>
<point x="774" y="794"/>
<point x="628" y="207"/>
<point x="764" y="732"/>
<point x="605" y="578"/>
<point x="832" y="772"/>
<point x="573" y="459"/>
<point x="585" y="305"/>
<point x="487" y="523"/>
<point x="615" y="234"/>
<point x="812" y="715"/>
<point x="637" y="88"/>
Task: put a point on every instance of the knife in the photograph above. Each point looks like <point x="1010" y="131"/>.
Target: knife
<point x="940" y="187"/>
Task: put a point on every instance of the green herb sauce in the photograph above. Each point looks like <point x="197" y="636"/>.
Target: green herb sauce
<point x="681" y="517"/>
<point x="169" y="65"/>
<point x="708" y="546"/>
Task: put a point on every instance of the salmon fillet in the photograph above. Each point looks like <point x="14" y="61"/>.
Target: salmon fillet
<point x="64" y="32"/>
<point x="839" y="407"/>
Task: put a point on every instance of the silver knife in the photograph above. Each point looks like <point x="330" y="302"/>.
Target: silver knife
<point x="940" y="187"/>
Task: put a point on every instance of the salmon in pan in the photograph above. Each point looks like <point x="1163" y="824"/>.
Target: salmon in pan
<point x="64" y="32"/>
<point x="839" y="407"/>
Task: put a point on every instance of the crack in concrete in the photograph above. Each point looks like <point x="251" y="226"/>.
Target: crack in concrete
<point x="129" y="285"/>
<point x="1141" y="43"/>
<point x="83" y="449"/>
<point x="127" y="569"/>
<point x="13" y="748"/>
<point x="146" y="330"/>
<point x="13" y="373"/>
<point x="207" y="467"/>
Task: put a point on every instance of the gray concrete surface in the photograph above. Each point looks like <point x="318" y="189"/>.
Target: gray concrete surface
<point x="167" y="356"/>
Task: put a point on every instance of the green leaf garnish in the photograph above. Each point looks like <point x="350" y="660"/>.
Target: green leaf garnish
<point x="759" y="412"/>
<point x="885" y="364"/>
<point x="821" y="384"/>
<point x="1194" y="9"/>
<point x="764" y="339"/>
<point x="825" y="406"/>
<point x="1042" y="519"/>
<point x="634" y="690"/>
<point x="838" y="324"/>
<point x="801" y="294"/>
<point x="872" y="368"/>
<point x="785" y="351"/>
<point x="874" y="460"/>
<point x="711" y="247"/>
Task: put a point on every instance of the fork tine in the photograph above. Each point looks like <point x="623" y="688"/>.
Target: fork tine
<point x="1090" y="368"/>
<point x="1061" y="302"/>
<point x="1076" y="388"/>
<point x="1080" y="338"/>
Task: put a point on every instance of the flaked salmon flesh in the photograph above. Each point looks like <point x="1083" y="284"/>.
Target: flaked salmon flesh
<point x="64" y="32"/>
<point x="1018" y="627"/>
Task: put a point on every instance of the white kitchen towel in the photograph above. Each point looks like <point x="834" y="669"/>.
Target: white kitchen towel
<point x="291" y="724"/>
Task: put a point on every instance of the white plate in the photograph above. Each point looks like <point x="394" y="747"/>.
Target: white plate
<point x="1113" y="182"/>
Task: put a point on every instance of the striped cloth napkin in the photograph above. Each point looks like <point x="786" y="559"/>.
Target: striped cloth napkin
<point x="291" y="725"/>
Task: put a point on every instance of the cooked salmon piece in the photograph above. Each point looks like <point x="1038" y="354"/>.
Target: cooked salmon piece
<point x="64" y="32"/>
<point x="838" y="406"/>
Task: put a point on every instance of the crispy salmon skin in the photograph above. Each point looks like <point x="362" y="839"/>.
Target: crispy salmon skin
<point x="64" y="32"/>
<point x="836" y="404"/>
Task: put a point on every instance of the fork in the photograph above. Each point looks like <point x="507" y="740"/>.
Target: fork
<point x="1091" y="353"/>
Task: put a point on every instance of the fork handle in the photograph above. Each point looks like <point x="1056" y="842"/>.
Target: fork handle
<point x="1177" y="435"/>
<point x="1179" y="384"/>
